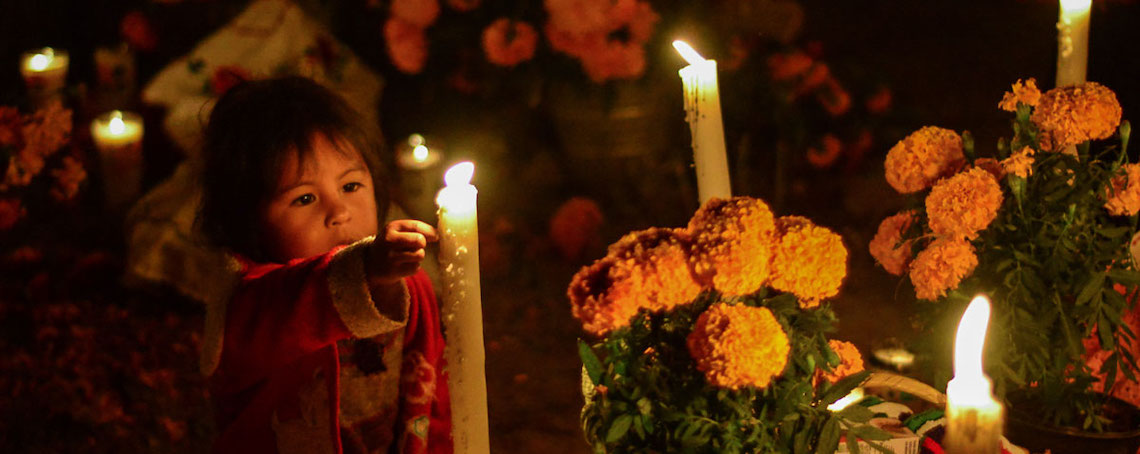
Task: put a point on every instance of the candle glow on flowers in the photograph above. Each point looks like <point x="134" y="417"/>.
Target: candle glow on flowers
<point x="1023" y="93"/>
<point x="732" y="244"/>
<point x="963" y="204"/>
<point x="922" y="158"/>
<point x="887" y="246"/>
<point x="738" y="345"/>
<point x="809" y="261"/>
<point x="1075" y="114"/>
<point x="850" y="362"/>
<point x="941" y="266"/>
<point x="1124" y="193"/>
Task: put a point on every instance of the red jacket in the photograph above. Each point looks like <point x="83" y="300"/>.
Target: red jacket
<point x="304" y="358"/>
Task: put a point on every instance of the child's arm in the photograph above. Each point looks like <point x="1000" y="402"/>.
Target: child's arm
<point x="397" y="253"/>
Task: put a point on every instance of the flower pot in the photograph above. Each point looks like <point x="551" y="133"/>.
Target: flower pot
<point x="1024" y="428"/>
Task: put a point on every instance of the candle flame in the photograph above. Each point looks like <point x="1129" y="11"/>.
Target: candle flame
<point x="1076" y="5"/>
<point x="415" y="140"/>
<point x="39" y="62"/>
<point x="971" y="338"/>
<point x="116" y="126"/>
<point x="420" y="153"/>
<point x="459" y="174"/>
<point x="687" y="52"/>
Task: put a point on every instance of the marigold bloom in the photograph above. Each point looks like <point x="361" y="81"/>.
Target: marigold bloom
<point x="922" y="158"/>
<point x="787" y="66"/>
<point x="1076" y="114"/>
<point x="1124" y="193"/>
<point x="607" y="37"/>
<point x="464" y="5"/>
<point x="10" y="213"/>
<point x="808" y="261"/>
<point x="10" y="121"/>
<point x="47" y="130"/>
<point x="646" y="269"/>
<point x="505" y="45"/>
<point x="1026" y="93"/>
<point x="827" y="154"/>
<point x="614" y="60"/>
<point x="942" y="266"/>
<point x="888" y="247"/>
<point x="420" y="13"/>
<point x="1019" y="163"/>
<point x="738" y="345"/>
<point x="835" y="100"/>
<point x="578" y="17"/>
<point x="850" y="361"/>
<point x="406" y="44"/>
<point x="963" y="204"/>
<point x="574" y="226"/>
<point x="732" y="244"/>
<point x="880" y="102"/>
<point x="67" y="179"/>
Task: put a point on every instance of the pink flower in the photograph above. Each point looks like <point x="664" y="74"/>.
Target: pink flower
<point x="507" y="46"/>
<point x="420" y="13"/>
<point x="407" y="45"/>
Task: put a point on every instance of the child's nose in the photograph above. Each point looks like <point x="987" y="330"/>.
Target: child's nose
<point x="338" y="213"/>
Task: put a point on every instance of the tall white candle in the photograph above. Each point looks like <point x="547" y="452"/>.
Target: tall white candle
<point x="702" y="111"/>
<point x="118" y="137"/>
<point x="463" y="310"/>
<point x="45" y="74"/>
<point x="1073" y="42"/>
<point x="973" y="417"/>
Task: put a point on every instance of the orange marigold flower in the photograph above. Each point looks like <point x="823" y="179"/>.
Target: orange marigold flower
<point x="578" y="17"/>
<point x="922" y="158"/>
<point x="732" y="244"/>
<point x="964" y="204"/>
<point x="646" y="269"/>
<point x="10" y="213"/>
<point x="67" y="179"/>
<point x="850" y="361"/>
<point x="419" y="13"/>
<point x="505" y="45"/>
<point x="738" y="345"/>
<point x="808" y="261"/>
<point x="614" y="59"/>
<point x="880" y="102"/>
<point x="47" y="130"/>
<point x="574" y="227"/>
<point x="991" y="166"/>
<point x="1019" y="163"/>
<point x="835" y="100"/>
<point x="10" y="121"/>
<point x="464" y="5"/>
<point x="888" y="248"/>
<point x="1076" y="114"/>
<point x="941" y="266"/>
<point x="1026" y="93"/>
<point x="406" y="44"/>
<point x="831" y="149"/>
<point x="1124" y="193"/>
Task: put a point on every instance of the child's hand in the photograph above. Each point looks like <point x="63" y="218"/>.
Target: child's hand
<point x="397" y="253"/>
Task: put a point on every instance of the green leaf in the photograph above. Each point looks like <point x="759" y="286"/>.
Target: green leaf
<point x="590" y="360"/>
<point x="619" y="428"/>
<point x="857" y="413"/>
<point x="867" y="432"/>
<point x="1123" y="276"/>
<point x="844" y="387"/>
<point x="828" y="437"/>
<point x="1091" y="288"/>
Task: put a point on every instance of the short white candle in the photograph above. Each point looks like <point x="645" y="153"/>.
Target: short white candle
<point x="1073" y="42"/>
<point x="462" y="310"/>
<point x="702" y="111"/>
<point x="973" y="417"/>
<point x="420" y="165"/>
<point x="118" y="137"/>
<point x="45" y="73"/>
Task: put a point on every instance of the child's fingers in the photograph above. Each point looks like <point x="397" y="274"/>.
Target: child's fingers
<point x="405" y="240"/>
<point x="405" y="269"/>
<point x="399" y="257"/>
<point x="414" y="226"/>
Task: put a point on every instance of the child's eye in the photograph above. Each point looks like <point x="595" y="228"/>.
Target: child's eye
<point x="304" y="200"/>
<point x="352" y="187"/>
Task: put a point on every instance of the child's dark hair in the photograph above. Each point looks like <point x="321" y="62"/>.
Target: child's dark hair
<point x="252" y="130"/>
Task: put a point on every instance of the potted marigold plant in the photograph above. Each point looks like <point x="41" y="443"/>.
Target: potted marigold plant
<point x="712" y="338"/>
<point x="1043" y="228"/>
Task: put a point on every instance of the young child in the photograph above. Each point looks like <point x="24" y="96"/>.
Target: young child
<point x="329" y="341"/>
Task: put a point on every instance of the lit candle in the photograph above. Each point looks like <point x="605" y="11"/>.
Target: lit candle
<point x="420" y="167"/>
<point x="118" y="137"/>
<point x="702" y="111"/>
<point x="462" y="310"/>
<point x="115" y="68"/>
<point x="973" y="417"/>
<point x="45" y="73"/>
<point x="1073" y="42"/>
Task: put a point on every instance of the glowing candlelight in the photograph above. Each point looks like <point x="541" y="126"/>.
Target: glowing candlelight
<point x="855" y="395"/>
<point x="118" y="137"/>
<point x="702" y="111"/>
<point x="45" y="74"/>
<point x="462" y="310"/>
<point x="973" y="417"/>
<point x="1073" y="42"/>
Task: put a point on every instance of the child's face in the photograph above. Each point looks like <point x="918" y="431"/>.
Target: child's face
<point x="325" y="201"/>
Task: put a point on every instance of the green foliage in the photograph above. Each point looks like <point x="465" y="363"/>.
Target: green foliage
<point x="1056" y="266"/>
<point x="646" y="394"/>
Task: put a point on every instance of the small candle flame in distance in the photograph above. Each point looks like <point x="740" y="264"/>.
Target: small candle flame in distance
<point x="420" y="153"/>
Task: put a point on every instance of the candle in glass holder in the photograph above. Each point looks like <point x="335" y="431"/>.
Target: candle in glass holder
<point x="118" y="137"/>
<point x="973" y="417"/>
<point x="45" y="74"/>
<point x="702" y="111"/>
<point x="1073" y="42"/>
<point x="420" y="169"/>
<point x="462" y="310"/>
